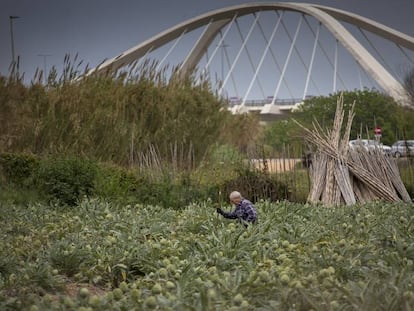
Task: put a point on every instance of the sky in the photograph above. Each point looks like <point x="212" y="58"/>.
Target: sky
<point x="47" y="30"/>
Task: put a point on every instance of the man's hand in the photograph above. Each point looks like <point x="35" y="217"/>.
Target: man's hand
<point x="218" y="209"/>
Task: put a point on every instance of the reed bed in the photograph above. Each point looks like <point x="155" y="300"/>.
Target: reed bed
<point x="112" y="118"/>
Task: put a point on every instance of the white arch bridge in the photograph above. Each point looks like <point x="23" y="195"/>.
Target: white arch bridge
<point x="270" y="56"/>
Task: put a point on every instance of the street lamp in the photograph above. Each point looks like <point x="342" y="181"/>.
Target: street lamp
<point x="11" y="18"/>
<point x="44" y="64"/>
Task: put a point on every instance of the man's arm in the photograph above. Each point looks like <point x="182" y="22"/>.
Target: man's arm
<point x="237" y="213"/>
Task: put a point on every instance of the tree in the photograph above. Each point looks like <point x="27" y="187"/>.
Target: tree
<point x="281" y="134"/>
<point x="372" y="108"/>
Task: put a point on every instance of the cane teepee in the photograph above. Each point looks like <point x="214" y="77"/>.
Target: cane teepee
<point x="340" y="175"/>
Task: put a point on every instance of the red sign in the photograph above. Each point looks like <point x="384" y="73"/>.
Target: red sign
<point x="377" y="131"/>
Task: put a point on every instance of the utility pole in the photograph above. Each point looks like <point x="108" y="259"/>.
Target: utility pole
<point x="11" y="18"/>
<point x="44" y="65"/>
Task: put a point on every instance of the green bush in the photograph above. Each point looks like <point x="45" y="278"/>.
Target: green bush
<point x="18" y="169"/>
<point x="256" y="185"/>
<point x="66" y="179"/>
<point x="125" y="186"/>
<point x="172" y="193"/>
<point x="116" y="183"/>
<point x="19" y="196"/>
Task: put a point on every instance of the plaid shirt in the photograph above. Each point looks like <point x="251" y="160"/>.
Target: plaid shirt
<point x="244" y="211"/>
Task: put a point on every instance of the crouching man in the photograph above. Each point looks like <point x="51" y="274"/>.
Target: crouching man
<point x="244" y="212"/>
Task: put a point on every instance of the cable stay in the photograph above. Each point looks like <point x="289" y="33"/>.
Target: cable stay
<point x="222" y="36"/>
<point x="238" y="54"/>
<point x="315" y="43"/>
<point x="262" y="58"/>
<point x="250" y="60"/>
<point x="274" y="57"/>
<point x="367" y="76"/>
<point x="233" y="81"/>
<point x="287" y="59"/>
<point x="171" y="48"/>
<point x="405" y="53"/>
<point x="137" y="63"/>
<point x="326" y="56"/>
<point x="200" y="37"/>
<point x="302" y="17"/>
<point x="377" y="52"/>
<point x="359" y="77"/>
<point x="335" y="67"/>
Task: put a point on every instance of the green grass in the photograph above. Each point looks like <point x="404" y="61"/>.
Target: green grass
<point x="110" y="118"/>
<point x="298" y="257"/>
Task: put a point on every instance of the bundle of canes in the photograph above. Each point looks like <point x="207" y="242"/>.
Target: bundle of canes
<point x="336" y="170"/>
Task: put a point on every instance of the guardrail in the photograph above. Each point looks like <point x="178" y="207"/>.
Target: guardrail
<point x="262" y="102"/>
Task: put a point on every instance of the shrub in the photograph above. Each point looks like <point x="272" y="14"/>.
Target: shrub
<point x="116" y="183"/>
<point x="18" y="169"/>
<point x="256" y="185"/>
<point x="171" y="193"/>
<point x="66" y="179"/>
<point x="19" y="196"/>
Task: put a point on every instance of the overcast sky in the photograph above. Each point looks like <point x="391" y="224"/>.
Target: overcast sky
<point x="100" y="29"/>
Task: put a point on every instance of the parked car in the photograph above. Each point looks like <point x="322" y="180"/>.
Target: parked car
<point x="368" y="144"/>
<point x="402" y="148"/>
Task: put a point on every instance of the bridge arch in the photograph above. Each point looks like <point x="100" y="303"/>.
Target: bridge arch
<point x="215" y="20"/>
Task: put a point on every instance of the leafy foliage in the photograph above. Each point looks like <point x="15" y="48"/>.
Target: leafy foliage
<point x="282" y="134"/>
<point x="66" y="179"/>
<point x="18" y="169"/>
<point x="67" y="257"/>
<point x="139" y="257"/>
<point x="115" y="183"/>
<point x="372" y="109"/>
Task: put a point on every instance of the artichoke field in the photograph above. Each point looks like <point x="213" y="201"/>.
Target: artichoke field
<point x="101" y="256"/>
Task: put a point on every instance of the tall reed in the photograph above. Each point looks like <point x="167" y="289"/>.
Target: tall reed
<point x="114" y="117"/>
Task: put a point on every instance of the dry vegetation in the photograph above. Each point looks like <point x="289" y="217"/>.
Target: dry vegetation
<point x="117" y="118"/>
<point x="343" y="176"/>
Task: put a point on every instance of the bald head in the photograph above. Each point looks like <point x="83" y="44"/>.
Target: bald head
<point x="235" y="197"/>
